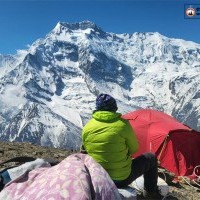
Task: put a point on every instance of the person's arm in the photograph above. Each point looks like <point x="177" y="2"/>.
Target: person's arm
<point x="82" y="150"/>
<point x="131" y="140"/>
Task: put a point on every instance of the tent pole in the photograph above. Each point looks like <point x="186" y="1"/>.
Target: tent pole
<point x="164" y="145"/>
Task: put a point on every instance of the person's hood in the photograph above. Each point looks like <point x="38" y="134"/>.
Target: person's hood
<point x="106" y="116"/>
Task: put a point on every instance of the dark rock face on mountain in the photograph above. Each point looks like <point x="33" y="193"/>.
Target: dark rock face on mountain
<point x="47" y="92"/>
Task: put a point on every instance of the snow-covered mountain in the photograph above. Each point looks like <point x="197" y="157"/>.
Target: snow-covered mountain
<point x="47" y="92"/>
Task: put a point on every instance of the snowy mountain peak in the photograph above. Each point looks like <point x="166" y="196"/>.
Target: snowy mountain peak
<point x="47" y="92"/>
<point x="70" y="27"/>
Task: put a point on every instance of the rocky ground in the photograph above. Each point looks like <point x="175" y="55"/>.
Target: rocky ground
<point x="178" y="191"/>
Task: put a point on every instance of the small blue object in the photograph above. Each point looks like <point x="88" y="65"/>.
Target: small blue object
<point x="6" y="177"/>
<point x="192" y="11"/>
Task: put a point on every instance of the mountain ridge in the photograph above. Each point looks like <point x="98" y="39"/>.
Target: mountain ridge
<point x="61" y="75"/>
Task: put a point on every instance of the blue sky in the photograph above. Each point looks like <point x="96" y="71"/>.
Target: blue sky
<point x="24" y="21"/>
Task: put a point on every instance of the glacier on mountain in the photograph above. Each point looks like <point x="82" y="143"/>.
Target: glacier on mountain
<point x="48" y="91"/>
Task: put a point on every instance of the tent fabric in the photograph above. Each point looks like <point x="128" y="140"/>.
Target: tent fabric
<point x="176" y="145"/>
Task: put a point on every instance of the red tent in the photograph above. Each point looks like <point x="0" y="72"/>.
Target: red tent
<point x="176" y="146"/>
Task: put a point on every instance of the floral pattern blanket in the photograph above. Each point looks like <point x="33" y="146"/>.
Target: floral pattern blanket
<point x="78" y="177"/>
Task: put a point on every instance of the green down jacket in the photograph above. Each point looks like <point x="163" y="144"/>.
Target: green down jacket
<point x="110" y="140"/>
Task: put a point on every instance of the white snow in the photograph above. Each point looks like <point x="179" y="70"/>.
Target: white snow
<point x="159" y="72"/>
<point x="58" y="106"/>
<point x="13" y="95"/>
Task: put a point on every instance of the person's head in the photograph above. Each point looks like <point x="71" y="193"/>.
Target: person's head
<point x="105" y="102"/>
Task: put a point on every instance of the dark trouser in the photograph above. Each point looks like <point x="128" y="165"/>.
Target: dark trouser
<point x="146" y="165"/>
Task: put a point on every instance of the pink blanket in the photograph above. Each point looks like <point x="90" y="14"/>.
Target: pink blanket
<point x="78" y="177"/>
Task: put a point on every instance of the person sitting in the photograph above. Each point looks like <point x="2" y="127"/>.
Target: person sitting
<point x="110" y="141"/>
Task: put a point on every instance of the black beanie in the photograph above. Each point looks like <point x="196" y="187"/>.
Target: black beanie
<point x="106" y="102"/>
